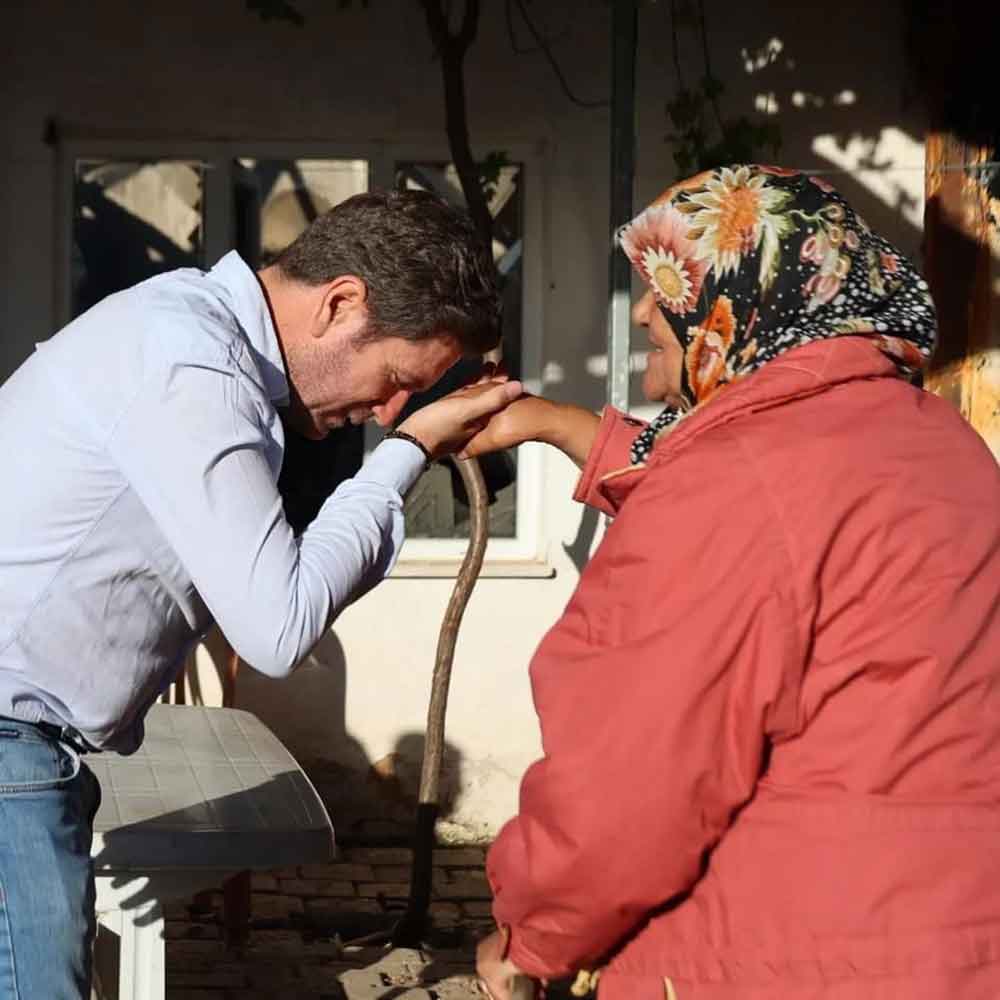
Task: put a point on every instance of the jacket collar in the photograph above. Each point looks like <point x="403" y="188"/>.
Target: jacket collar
<point x="800" y="372"/>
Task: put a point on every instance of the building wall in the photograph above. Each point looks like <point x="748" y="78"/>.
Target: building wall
<point x="189" y="70"/>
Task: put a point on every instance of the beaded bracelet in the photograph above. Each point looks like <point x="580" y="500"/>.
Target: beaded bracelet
<point x="403" y="436"/>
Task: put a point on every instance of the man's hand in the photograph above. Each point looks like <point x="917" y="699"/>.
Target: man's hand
<point x="496" y="973"/>
<point x="446" y="425"/>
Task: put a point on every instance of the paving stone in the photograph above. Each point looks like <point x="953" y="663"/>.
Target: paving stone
<point x="273" y="975"/>
<point x="316" y="887"/>
<point x="459" y="857"/>
<point x="391" y="873"/>
<point x="463" y="887"/>
<point x="445" y="911"/>
<point x="177" y="910"/>
<point x="379" y="855"/>
<point x="298" y="954"/>
<point x="206" y="902"/>
<point x="345" y="872"/>
<point x="186" y="929"/>
<point x="341" y="907"/>
<point x="268" y="941"/>
<point x="393" y="890"/>
<point x="190" y="947"/>
<point x="204" y="978"/>
<point x="265" y="907"/>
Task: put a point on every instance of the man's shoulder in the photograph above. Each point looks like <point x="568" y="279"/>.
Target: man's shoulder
<point x="182" y="310"/>
<point x="138" y="339"/>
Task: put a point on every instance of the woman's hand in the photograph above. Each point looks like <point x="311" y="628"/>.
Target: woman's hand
<point x="525" y="419"/>
<point x="569" y="428"/>
<point x="496" y="972"/>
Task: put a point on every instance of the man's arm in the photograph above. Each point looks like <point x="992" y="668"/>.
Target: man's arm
<point x="194" y="449"/>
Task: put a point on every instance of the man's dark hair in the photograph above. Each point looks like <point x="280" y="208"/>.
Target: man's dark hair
<point x="427" y="270"/>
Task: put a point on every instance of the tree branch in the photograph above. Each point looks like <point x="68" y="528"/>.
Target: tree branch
<point x="711" y="85"/>
<point x="556" y="68"/>
<point x="470" y="22"/>
<point x="451" y="50"/>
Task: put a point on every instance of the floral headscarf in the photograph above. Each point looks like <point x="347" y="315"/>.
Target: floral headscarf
<point x="748" y="261"/>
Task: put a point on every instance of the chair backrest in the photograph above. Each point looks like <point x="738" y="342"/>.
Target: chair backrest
<point x="208" y="676"/>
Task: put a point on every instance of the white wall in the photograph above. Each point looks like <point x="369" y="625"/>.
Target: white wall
<point x="209" y="71"/>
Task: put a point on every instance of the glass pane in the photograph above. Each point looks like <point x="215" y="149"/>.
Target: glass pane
<point x="274" y="201"/>
<point x="277" y="199"/>
<point x="437" y="507"/>
<point x="132" y="220"/>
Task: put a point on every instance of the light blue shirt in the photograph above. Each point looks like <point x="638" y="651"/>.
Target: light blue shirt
<point x="141" y="447"/>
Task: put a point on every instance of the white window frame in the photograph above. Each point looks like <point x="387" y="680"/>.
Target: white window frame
<point x="525" y="555"/>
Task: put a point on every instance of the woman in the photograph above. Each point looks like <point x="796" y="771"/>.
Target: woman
<point x="771" y="710"/>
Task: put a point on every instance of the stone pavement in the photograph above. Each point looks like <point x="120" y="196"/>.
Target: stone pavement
<point x="304" y="919"/>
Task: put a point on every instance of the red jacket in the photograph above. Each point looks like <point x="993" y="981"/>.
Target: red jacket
<point x="771" y="710"/>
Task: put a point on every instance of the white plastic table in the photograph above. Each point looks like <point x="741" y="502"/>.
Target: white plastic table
<point x="211" y="792"/>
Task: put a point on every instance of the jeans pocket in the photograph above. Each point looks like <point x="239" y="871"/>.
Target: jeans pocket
<point x="31" y="763"/>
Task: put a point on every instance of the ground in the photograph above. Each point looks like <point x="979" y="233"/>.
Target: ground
<point x="304" y="920"/>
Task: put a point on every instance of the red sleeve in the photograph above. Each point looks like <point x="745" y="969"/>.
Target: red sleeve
<point x="608" y="453"/>
<point x="676" y="659"/>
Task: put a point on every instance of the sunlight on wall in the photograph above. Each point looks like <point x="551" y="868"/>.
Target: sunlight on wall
<point x="597" y="364"/>
<point x="553" y="373"/>
<point x="756" y="60"/>
<point x="890" y="167"/>
<point x="766" y="103"/>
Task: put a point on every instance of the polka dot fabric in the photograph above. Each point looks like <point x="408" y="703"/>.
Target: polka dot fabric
<point x="746" y="262"/>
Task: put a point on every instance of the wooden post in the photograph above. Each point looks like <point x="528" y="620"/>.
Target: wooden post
<point x="962" y="263"/>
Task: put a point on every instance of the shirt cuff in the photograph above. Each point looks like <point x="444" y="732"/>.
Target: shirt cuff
<point x="396" y="464"/>
<point x="609" y="453"/>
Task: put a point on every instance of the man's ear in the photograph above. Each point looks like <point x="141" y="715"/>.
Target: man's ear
<point x="344" y="304"/>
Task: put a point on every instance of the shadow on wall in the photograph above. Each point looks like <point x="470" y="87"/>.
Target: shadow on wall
<point x="854" y="106"/>
<point x="863" y="130"/>
<point x="368" y="800"/>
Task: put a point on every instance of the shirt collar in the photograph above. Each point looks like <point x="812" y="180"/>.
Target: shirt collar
<point x="246" y="299"/>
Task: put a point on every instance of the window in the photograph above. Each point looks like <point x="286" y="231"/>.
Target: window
<point x="136" y="208"/>
<point x="437" y="507"/>
<point x="131" y="220"/>
<point x="274" y="200"/>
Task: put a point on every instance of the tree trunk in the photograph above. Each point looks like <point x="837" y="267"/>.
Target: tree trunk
<point x="451" y="49"/>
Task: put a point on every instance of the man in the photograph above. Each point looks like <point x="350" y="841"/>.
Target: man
<point x="142" y="446"/>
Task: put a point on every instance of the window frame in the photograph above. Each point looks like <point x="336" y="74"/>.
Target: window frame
<point x="524" y="555"/>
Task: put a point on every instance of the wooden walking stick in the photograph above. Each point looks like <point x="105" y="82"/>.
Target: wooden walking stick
<point x="412" y="928"/>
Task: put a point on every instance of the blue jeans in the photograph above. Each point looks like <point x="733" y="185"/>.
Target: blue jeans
<point x="48" y="798"/>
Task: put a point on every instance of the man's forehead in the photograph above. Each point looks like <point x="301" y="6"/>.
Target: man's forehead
<point x="433" y="349"/>
<point x="417" y="360"/>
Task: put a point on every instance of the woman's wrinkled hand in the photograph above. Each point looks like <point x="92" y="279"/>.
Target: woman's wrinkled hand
<point x="525" y="419"/>
<point x="496" y="972"/>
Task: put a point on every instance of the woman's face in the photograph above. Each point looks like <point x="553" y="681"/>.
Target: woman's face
<point x="662" y="380"/>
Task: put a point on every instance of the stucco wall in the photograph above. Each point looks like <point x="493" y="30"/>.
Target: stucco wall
<point x="194" y="70"/>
